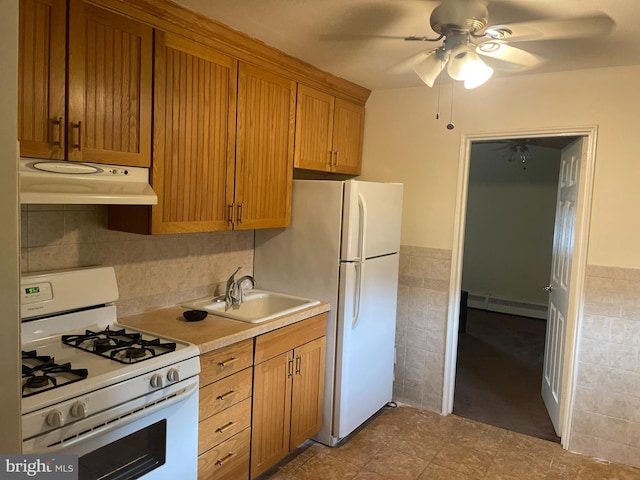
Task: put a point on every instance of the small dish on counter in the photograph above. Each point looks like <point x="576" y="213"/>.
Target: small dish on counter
<point x="195" y="315"/>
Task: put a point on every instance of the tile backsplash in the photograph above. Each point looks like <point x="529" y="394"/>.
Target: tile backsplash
<point x="152" y="271"/>
<point x="423" y="296"/>
<point x="606" y="421"/>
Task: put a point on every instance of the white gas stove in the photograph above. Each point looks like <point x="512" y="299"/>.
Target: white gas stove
<point x="91" y="386"/>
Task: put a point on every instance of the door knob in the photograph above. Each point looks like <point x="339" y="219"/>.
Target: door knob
<point x="548" y="288"/>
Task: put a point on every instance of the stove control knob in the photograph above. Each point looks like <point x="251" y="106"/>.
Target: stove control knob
<point x="79" y="409"/>
<point x="173" y="375"/>
<point x="55" y="419"/>
<point x="157" y="381"/>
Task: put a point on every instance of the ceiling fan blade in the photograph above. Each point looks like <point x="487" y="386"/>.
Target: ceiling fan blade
<point x="429" y="69"/>
<point x="362" y="36"/>
<point x="407" y="65"/>
<point x="516" y="58"/>
<point x="554" y="29"/>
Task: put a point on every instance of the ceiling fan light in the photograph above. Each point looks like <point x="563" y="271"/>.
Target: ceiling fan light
<point x="478" y="73"/>
<point x="429" y="69"/>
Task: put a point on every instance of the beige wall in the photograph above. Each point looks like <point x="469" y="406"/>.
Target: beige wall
<point x="404" y="142"/>
<point x="509" y="224"/>
<point x="10" y="323"/>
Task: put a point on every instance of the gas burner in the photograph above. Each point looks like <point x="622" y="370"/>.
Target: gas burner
<point x="100" y="342"/>
<point x="135" y="352"/>
<point x="39" y="381"/>
<point x="40" y="373"/>
<point x="118" y="345"/>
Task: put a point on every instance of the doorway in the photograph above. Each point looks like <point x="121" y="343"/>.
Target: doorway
<point x="565" y="360"/>
<point x="509" y="228"/>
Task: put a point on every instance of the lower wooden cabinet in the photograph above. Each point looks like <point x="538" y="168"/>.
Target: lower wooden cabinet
<point x="288" y="388"/>
<point x="260" y="399"/>
<point x="228" y="460"/>
<point x="224" y="431"/>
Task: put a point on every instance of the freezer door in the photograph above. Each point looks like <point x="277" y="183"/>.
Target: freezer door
<point x="366" y="340"/>
<point x="372" y="219"/>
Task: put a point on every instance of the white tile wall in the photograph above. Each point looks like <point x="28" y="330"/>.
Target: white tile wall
<point x="606" y="420"/>
<point x="152" y="271"/>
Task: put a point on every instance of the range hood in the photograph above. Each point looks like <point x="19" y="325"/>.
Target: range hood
<point x="60" y="182"/>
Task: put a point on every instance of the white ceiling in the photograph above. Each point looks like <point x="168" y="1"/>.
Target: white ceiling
<point x="317" y="31"/>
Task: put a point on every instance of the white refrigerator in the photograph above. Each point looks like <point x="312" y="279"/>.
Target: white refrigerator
<point x="342" y="248"/>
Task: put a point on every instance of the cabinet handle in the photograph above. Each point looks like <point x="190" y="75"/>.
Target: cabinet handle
<point x="79" y="127"/>
<point x="290" y="368"/>
<point x="224" y="363"/>
<point x="239" y="213"/>
<point x="230" y="214"/>
<point x="298" y="364"/>
<point x="225" y="459"/>
<point x="224" y="395"/>
<point x="335" y="164"/>
<point x="225" y="427"/>
<point x="58" y="123"/>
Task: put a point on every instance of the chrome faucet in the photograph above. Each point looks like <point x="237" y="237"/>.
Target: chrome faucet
<point x="231" y="294"/>
<point x="234" y="294"/>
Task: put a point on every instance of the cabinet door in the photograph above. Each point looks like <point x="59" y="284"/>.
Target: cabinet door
<point x="314" y="129"/>
<point x="41" y="78"/>
<point x="271" y="418"/>
<point x="109" y="82"/>
<point x="348" y="129"/>
<point x="308" y="391"/>
<point x="194" y="131"/>
<point x="264" y="149"/>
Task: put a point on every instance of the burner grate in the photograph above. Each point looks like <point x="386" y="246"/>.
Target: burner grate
<point x="40" y="373"/>
<point x="119" y="345"/>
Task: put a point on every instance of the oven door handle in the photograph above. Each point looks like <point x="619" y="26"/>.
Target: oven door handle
<point x="191" y="388"/>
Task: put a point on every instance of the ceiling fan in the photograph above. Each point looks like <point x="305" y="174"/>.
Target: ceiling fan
<point x="469" y="42"/>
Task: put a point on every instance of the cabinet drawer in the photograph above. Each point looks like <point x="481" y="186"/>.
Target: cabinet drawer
<point x="287" y="338"/>
<point x="224" y="393"/>
<point x="220" y="427"/>
<point x="225" y="361"/>
<point x="228" y="461"/>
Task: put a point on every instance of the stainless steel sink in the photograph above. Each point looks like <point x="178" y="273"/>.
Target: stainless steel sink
<point x="258" y="306"/>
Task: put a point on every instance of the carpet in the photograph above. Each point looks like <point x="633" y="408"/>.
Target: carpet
<point x="499" y="373"/>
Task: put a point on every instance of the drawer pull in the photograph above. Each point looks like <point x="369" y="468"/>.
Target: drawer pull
<point x="225" y="459"/>
<point x="225" y="427"/>
<point x="224" y="363"/>
<point x="224" y="395"/>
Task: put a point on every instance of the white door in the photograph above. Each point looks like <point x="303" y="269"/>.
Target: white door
<point x="558" y="288"/>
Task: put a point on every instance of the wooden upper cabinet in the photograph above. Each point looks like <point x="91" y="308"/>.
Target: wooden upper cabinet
<point x="314" y="129"/>
<point x="328" y="133"/>
<point x="264" y="149"/>
<point x="194" y="132"/>
<point x="348" y="129"/>
<point x="109" y="87"/>
<point x="41" y="83"/>
<point x="105" y="89"/>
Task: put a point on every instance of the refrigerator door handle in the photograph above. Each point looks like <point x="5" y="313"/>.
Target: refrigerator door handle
<point x="359" y="266"/>
<point x="362" y="234"/>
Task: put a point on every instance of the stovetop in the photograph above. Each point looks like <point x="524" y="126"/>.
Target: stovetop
<point x="147" y="352"/>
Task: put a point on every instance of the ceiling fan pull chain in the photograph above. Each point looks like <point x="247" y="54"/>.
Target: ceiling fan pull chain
<point x="439" y="94"/>
<point x="450" y="125"/>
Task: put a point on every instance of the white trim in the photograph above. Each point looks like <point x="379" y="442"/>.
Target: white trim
<point x="579" y="264"/>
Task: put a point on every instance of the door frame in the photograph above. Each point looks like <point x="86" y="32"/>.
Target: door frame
<point x="578" y="267"/>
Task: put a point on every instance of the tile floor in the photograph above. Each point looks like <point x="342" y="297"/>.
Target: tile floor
<point x="408" y="444"/>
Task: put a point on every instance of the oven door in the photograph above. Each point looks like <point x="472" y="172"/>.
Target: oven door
<point x="155" y="442"/>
